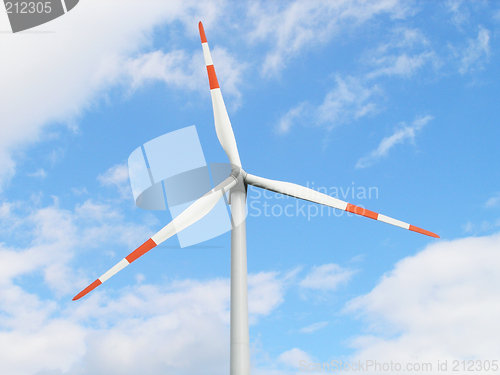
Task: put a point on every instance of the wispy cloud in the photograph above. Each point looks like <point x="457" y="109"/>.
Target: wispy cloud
<point x="402" y="65"/>
<point x="493" y="201"/>
<point x="326" y="277"/>
<point x="406" y="51"/>
<point x="468" y="227"/>
<point x="313" y="327"/>
<point x="476" y="53"/>
<point x="482" y="226"/>
<point x="286" y="122"/>
<point x="294" y="26"/>
<point x="353" y="97"/>
<point x="117" y="177"/>
<point x="460" y="13"/>
<point x="402" y="134"/>
<point x="174" y="67"/>
<point x="349" y="100"/>
<point x="496" y="15"/>
<point x="40" y="173"/>
<point x="80" y="191"/>
<point x="184" y="71"/>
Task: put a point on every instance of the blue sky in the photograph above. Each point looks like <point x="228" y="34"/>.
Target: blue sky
<point x="397" y="96"/>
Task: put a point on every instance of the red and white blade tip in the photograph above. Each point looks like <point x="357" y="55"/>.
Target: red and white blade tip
<point x="375" y="216"/>
<point x="88" y="289"/>
<point x="202" y="33"/>
<point x="212" y="77"/>
<point x="140" y="251"/>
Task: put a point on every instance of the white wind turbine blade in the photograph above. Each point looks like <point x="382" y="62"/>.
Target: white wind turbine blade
<point x="222" y="124"/>
<point x="314" y="196"/>
<point x="189" y="216"/>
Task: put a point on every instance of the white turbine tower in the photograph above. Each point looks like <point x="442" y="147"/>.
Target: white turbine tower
<point x="236" y="184"/>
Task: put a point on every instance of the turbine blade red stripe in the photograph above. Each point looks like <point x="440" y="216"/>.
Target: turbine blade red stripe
<point x="141" y="250"/>
<point x="202" y="33"/>
<point x="361" y="211"/>
<point x="423" y="231"/>
<point x="212" y="77"/>
<point x="88" y="289"/>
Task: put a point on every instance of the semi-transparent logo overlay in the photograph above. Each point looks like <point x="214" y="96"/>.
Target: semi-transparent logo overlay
<point x="171" y="171"/>
<point x="25" y="15"/>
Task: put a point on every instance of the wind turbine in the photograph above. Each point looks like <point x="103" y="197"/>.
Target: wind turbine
<point x="236" y="184"/>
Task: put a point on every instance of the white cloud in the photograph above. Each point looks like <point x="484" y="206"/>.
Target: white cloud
<point x="481" y="226"/>
<point x="292" y="27"/>
<point x="117" y="177"/>
<point x="80" y="191"/>
<point x="313" y="327"/>
<point x="406" y="51"/>
<point x="443" y="303"/>
<point x="326" y="277"/>
<point x="353" y="97"/>
<point x="468" y="227"/>
<point x="40" y="173"/>
<point x="178" y="326"/>
<point x="401" y="65"/>
<point x="493" y="201"/>
<point x="404" y="133"/>
<point x="460" y="13"/>
<point x="174" y="67"/>
<point x="52" y="243"/>
<point x="98" y="212"/>
<point x="185" y="72"/>
<point x="293" y="356"/>
<point x="477" y="52"/>
<point x="358" y="258"/>
<point x="56" y="344"/>
<point x="230" y="73"/>
<point x="496" y="15"/>
<point x="405" y="37"/>
<point x="85" y="60"/>
<point x="349" y="100"/>
<point x="286" y="122"/>
<point x="265" y="292"/>
<point x="181" y="326"/>
<point x="53" y="236"/>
